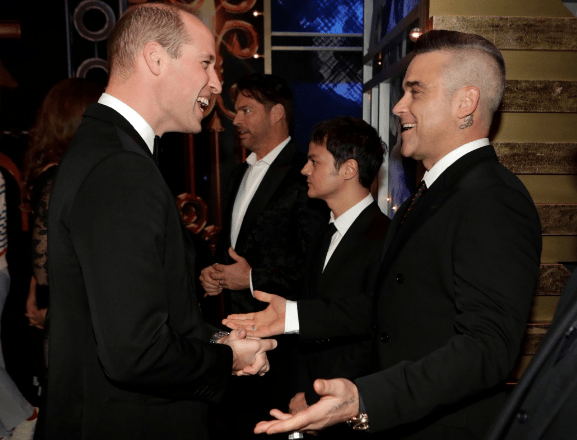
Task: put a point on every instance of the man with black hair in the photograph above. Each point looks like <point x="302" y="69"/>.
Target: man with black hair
<point x="268" y="226"/>
<point x="344" y="157"/>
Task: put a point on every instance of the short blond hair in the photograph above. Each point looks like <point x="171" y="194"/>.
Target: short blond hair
<point x="161" y="23"/>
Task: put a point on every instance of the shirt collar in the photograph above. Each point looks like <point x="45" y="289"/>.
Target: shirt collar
<point x="142" y="127"/>
<point x="450" y="158"/>
<point x="345" y="220"/>
<point x="271" y="156"/>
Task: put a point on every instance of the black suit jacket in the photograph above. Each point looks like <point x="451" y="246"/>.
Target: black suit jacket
<point x="544" y="404"/>
<point x="451" y="303"/>
<point x="348" y="278"/>
<point x="129" y="353"/>
<point x="277" y="229"/>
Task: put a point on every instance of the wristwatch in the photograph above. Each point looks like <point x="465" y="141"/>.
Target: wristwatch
<point x="360" y="422"/>
<point x="217" y="336"/>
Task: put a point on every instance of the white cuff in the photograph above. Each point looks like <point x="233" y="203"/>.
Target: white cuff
<point x="291" y="319"/>
<point x="250" y="281"/>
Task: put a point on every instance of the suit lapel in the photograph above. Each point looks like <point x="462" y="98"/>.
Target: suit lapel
<point x="445" y="185"/>
<point x="105" y="113"/>
<point x="349" y="242"/>
<point x="270" y="183"/>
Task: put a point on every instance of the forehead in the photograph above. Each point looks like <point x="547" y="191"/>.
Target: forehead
<point x="200" y="35"/>
<point x="243" y="100"/>
<point x="318" y="149"/>
<point x="427" y="68"/>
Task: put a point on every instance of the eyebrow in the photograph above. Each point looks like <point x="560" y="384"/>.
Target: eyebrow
<point x="414" y="84"/>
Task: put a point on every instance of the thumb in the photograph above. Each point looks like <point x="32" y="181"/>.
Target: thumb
<point x="236" y="257"/>
<point x="262" y="296"/>
<point x="323" y="387"/>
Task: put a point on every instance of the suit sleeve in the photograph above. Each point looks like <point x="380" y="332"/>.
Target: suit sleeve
<point x="119" y="231"/>
<point x="495" y="253"/>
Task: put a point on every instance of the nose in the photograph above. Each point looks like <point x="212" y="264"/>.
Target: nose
<point x="306" y="169"/>
<point x="236" y="120"/>
<point x="214" y="82"/>
<point x="400" y="107"/>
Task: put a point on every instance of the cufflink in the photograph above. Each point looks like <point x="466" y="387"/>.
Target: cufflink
<point x="360" y="422"/>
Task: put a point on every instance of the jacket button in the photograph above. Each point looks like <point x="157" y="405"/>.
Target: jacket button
<point x="400" y="278"/>
<point x="522" y="416"/>
<point x="385" y="337"/>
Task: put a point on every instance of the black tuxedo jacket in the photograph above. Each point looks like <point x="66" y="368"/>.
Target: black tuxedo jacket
<point x="543" y="405"/>
<point x="348" y="278"/>
<point x="451" y="303"/>
<point x="129" y="353"/>
<point x="277" y="229"/>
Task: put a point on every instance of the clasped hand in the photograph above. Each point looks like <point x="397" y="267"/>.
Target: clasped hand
<point x="248" y="354"/>
<point x="234" y="276"/>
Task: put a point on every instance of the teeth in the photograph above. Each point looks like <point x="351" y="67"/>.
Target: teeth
<point x="203" y="102"/>
<point x="408" y="126"/>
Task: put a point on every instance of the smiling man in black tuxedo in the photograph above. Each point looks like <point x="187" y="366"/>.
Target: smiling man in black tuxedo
<point x="459" y="269"/>
<point x="130" y="356"/>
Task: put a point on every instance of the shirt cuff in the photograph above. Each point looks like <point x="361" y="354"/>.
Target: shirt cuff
<point x="291" y="319"/>
<point x="250" y="281"/>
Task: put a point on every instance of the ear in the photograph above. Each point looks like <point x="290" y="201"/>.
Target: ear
<point x="468" y="100"/>
<point x="277" y="112"/>
<point x="350" y="169"/>
<point x="154" y="56"/>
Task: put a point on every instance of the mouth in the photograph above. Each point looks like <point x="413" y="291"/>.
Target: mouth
<point x="406" y="127"/>
<point x="203" y="101"/>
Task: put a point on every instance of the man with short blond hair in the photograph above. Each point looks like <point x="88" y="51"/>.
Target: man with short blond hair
<point x="130" y="356"/>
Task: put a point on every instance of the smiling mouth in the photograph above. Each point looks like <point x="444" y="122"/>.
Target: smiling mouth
<point x="203" y="102"/>
<point x="406" y="127"/>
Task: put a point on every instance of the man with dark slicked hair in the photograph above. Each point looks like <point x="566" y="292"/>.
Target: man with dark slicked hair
<point x="459" y="269"/>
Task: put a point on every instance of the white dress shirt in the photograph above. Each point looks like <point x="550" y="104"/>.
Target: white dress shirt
<point x="343" y="222"/>
<point x="138" y="122"/>
<point x="450" y="158"/>
<point x="248" y="186"/>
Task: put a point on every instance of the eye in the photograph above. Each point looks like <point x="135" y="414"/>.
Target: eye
<point x="246" y="111"/>
<point x="205" y="64"/>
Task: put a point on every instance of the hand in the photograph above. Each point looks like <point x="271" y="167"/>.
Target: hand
<point x="36" y="317"/>
<point x="339" y="402"/>
<point x="249" y="354"/>
<point x="210" y="282"/>
<point x="269" y="322"/>
<point x="298" y="403"/>
<point x="234" y="276"/>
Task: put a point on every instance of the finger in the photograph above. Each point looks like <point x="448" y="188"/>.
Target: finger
<point x="241" y="316"/>
<point x="236" y="325"/>
<point x="325" y="387"/>
<point x="236" y="334"/>
<point x="257" y="366"/>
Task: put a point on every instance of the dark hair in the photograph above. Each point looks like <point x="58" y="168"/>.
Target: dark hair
<point x="462" y="44"/>
<point x="57" y="119"/>
<point x="346" y="137"/>
<point x="269" y="90"/>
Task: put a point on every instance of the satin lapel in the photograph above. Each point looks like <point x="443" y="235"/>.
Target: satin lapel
<point x="105" y="113"/>
<point x="445" y="185"/>
<point x="350" y="241"/>
<point x="235" y="181"/>
<point x="270" y="183"/>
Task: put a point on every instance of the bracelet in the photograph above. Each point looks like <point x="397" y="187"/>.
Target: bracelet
<point x="217" y="336"/>
<point x="360" y="422"/>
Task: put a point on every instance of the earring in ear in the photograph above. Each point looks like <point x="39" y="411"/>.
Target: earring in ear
<point x="467" y="122"/>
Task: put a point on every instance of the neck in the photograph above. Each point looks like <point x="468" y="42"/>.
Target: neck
<point x="274" y="141"/>
<point x="346" y="200"/>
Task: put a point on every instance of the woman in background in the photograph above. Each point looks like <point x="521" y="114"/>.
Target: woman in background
<point x="57" y="119"/>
